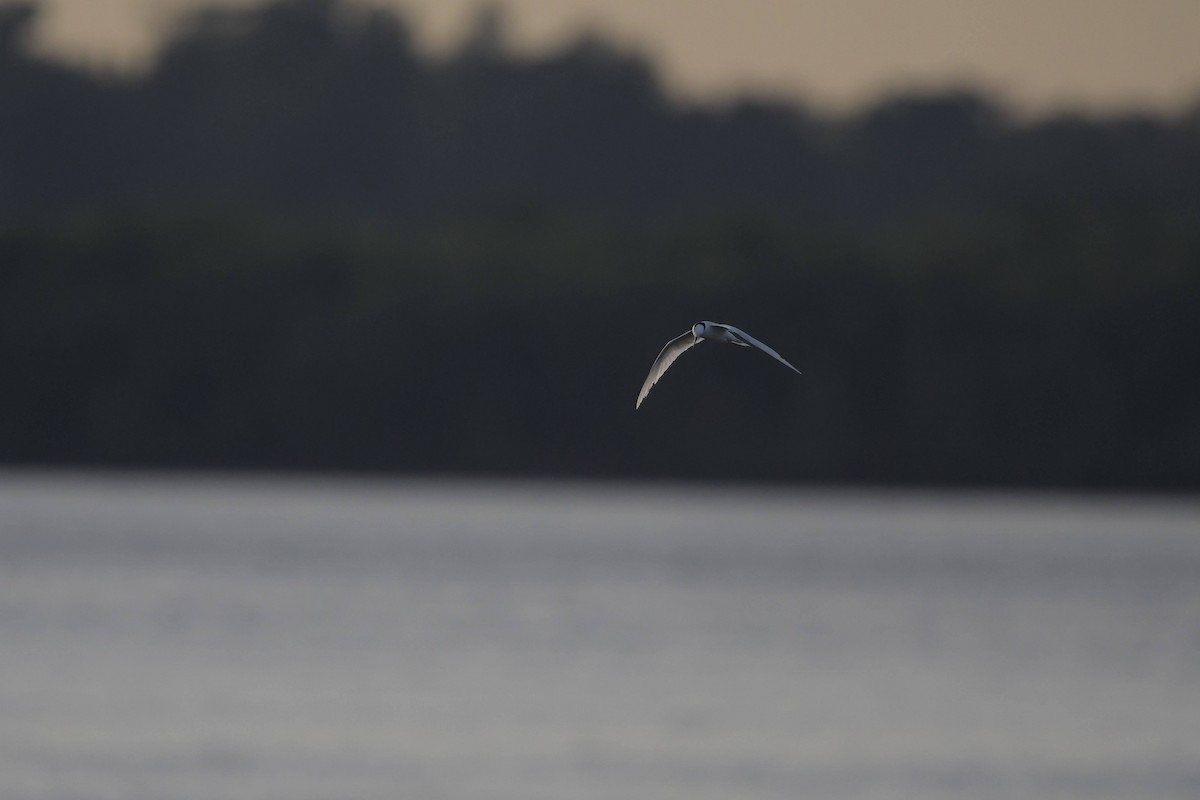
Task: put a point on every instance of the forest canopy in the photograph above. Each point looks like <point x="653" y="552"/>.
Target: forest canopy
<point x="296" y="241"/>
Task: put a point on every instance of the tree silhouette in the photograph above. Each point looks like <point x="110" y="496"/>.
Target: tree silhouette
<point x="293" y="241"/>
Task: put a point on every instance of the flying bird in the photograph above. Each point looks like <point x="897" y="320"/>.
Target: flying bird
<point x="713" y="332"/>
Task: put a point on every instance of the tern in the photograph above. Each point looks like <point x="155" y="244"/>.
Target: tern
<point x="713" y="332"/>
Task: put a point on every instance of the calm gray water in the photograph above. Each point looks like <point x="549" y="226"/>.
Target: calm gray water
<point x="222" y="638"/>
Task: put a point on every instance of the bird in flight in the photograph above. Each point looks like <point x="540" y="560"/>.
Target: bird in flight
<point x="713" y="332"/>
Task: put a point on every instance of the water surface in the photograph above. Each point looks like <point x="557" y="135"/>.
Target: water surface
<point x="201" y="638"/>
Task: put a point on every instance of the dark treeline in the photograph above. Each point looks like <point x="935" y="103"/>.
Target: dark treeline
<point x="296" y="241"/>
<point x="308" y="106"/>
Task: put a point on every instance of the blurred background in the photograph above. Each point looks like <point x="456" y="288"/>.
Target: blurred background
<point x="321" y="327"/>
<point x="294" y="234"/>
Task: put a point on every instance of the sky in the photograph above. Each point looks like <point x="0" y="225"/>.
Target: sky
<point x="1039" y="56"/>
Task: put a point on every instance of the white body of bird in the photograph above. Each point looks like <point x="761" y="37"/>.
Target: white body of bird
<point x="706" y="330"/>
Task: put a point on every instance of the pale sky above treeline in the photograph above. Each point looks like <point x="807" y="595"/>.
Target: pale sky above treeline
<point x="1038" y="56"/>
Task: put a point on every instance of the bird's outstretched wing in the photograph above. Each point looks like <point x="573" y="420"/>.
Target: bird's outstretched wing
<point x="750" y="340"/>
<point x="666" y="358"/>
